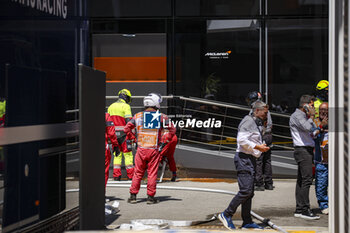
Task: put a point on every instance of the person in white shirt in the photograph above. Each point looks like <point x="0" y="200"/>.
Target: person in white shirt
<point x="303" y="129"/>
<point x="249" y="147"/>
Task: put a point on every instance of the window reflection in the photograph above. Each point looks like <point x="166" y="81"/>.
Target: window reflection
<point x="130" y="8"/>
<point x="218" y="58"/>
<point x="217" y="7"/>
<point x="297" y="7"/>
<point x="298" y="59"/>
<point x="119" y="54"/>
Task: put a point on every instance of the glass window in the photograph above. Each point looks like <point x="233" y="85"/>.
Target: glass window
<point x="119" y="54"/>
<point x="133" y="53"/>
<point x="217" y="59"/>
<point x="130" y="8"/>
<point x="43" y="44"/>
<point x="217" y="7"/>
<point x="297" y="59"/>
<point x="128" y="26"/>
<point x="297" y="7"/>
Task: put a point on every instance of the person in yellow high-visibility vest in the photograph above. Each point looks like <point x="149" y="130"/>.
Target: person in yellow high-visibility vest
<point x="321" y="95"/>
<point x="120" y="113"/>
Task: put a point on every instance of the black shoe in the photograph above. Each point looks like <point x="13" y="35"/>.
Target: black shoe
<point x="269" y="187"/>
<point x="259" y="188"/>
<point x="173" y="179"/>
<point x="152" y="200"/>
<point x="132" y="198"/>
<point x="309" y="215"/>
<point x="118" y="178"/>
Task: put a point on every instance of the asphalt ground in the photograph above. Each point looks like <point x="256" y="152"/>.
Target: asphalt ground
<point x="198" y="206"/>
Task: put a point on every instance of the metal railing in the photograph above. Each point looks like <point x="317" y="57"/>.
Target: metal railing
<point x="202" y="109"/>
<point x="179" y="108"/>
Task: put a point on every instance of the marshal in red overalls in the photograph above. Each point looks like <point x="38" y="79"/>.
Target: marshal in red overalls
<point x="111" y="144"/>
<point x="147" y="155"/>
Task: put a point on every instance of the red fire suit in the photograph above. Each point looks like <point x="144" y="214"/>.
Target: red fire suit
<point x="168" y="152"/>
<point x="147" y="155"/>
<point x="110" y="143"/>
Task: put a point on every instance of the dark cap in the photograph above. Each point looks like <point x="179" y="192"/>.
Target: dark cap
<point x="253" y="96"/>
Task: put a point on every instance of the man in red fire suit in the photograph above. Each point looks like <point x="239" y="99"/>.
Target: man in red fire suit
<point x="111" y="144"/>
<point x="149" y="126"/>
<point x="168" y="153"/>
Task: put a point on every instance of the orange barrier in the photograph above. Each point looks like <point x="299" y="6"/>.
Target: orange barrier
<point x="132" y="69"/>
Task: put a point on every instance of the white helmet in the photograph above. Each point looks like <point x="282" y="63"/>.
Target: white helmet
<point x="152" y="100"/>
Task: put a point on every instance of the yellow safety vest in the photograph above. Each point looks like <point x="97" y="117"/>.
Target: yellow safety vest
<point x="317" y="104"/>
<point x="120" y="108"/>
<point x="2" y="108"/>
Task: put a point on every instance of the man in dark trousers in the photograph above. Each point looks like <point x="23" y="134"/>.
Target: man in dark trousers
<point x="303" y="131"/>
<point x="263" y="170"/>
<point x="249" y="147"/>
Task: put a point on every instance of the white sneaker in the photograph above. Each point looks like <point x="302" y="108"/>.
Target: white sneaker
<point x="325" y="211"/>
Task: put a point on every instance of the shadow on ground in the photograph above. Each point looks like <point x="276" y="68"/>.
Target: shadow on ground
<point x="160" y="198"/>
<point x="109" y="219"/>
